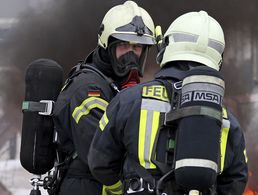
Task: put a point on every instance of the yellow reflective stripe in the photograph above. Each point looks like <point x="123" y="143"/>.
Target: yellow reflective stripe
<point x="141" y="140"/>
<point x="223" y="139"/>
<point x="87" y="105"/>
<point x="103" y="121"/>
<point x="246" y="158"/>
<point x="223" y="146"/>
<point x="224" y="113"/>
<point x="113" y="189"/>
<point x="104" y="190"/>
<point x="149" y="124"/>
<point x="155" y="127"/>
<point x="148" y="127"/>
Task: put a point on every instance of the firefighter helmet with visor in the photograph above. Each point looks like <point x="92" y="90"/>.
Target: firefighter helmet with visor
<point x="194" y="36"/>
<point x="132" y="25"/>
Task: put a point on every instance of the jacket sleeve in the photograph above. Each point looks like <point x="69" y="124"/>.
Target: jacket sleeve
<point x="107" y="151"/>
<point x="233" y="179"/>
<point x="86" y="108"/>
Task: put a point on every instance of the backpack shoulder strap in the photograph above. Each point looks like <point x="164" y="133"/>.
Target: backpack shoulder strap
<point x="81" y="67"/>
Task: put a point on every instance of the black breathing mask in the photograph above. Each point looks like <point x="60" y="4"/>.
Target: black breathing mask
<point x="128" y="61"/>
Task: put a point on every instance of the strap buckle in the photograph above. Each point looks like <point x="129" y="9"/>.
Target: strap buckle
<point x="48" y="108"/>
<point x="135" y="185"/>
<point x="178" y="85"/>
<point x="149" y="188"/>
<point x="139" y="185"/>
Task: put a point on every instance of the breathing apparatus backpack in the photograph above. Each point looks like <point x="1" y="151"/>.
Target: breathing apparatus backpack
<point x="198" y="118"/>
<point x="190" y="136"/>
<point x="43" y="82"/>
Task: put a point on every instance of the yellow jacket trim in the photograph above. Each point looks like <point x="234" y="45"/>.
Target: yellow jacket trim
<point x="103" y="121"/>
<point x="155" y="127"/>
<point x="113" y="189"/>
<point x="148" y="128"/>
<point x="224" y="138"/>
<point x="149" y="124"/>
<point x="87" y="105"/>
<point x="224" y="113"/>
<point x="142" y="131"/>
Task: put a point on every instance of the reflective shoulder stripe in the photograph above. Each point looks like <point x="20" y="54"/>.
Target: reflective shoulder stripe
<point x="113" y="189"/>
<point x="148" y="128"/>
<point x="155" y="105"/>
<point x="246" y="158"/>
<point x="155" y="91"/>
<point x="224" y="138"/>
<point x="191" y="162"/>
<point x="205" y="79"/>
<point x="87" y="105"/>
<point x="224" y="113"/>
<point x="103" y="121"/>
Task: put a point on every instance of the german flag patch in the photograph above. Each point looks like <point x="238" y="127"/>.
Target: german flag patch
<point x="94" y="93"/>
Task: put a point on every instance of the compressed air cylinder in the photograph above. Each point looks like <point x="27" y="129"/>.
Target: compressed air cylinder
<point x="43" y="81"/>
<point x="198" y="134"/>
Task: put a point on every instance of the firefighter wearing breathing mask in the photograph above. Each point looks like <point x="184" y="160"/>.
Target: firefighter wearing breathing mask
<point x="124" y="38"/>
<point x="172" y="135"/>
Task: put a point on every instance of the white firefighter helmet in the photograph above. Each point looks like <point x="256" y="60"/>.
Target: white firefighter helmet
<point x="194" y="36"/>
<point x="127" y="22"/>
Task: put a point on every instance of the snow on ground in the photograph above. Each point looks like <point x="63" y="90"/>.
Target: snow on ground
<point x="16" y="178"/>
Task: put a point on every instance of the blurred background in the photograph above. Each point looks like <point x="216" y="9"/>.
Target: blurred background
<point x="66" y="31"/>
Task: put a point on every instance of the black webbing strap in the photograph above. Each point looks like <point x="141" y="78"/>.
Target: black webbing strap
<point x="53" y="183"/>
<point x="33" y="106"/>
<point x="95" y="70"/>
<point x="168" y="86"/>
<point x="81" y="67"/>
<point x="142" y="172"/>
<point x="191" y="111"/>
<point x="44" y="107"/>
<point x="164" y="179"/>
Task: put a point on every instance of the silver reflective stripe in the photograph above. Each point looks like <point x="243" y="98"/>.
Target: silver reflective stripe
<point x="216" y="45"/>
<point x="148" y="128"/>
<point x="225" y="123"/>
<point x="181" y="37"/>
<point x="204" y="79"/>
<point x="87" y="105"/>
<point x="148" y="138"/>
<point x="203" y="87"/>
<point x="192" y="162"/>
<point x="193" y="111"/>
<point x="103" y="121"/>
<point x="155" y="105"/>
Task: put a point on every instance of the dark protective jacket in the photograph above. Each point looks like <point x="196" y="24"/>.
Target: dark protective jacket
<point x="128" y="129"/>
<point x="77" y="112"/>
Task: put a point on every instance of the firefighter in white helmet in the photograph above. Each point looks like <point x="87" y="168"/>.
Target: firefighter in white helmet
<point x="124" y="38"/>
<point x="194" y="37"/>
<point x="168" y="135"/>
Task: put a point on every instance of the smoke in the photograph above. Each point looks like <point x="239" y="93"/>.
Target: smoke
<point x="252" y="149"/>
<point x="66" y="31"/>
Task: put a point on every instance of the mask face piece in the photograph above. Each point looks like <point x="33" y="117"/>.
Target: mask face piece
<point x="126" y="62"/>
<point x="132" y="57"/>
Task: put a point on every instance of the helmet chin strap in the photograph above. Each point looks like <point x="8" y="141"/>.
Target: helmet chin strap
<point x="132" y="79"/>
